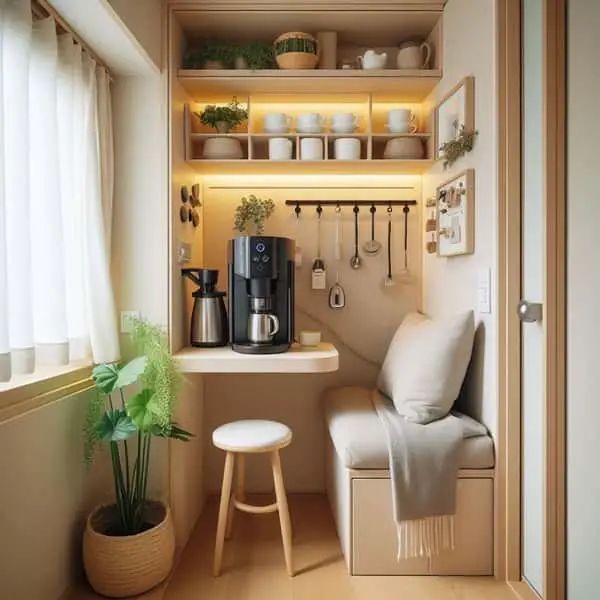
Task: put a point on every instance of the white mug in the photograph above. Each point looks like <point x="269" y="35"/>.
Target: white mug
<point x="277" y="122"/>
<point x="311" y="149"/>
<point x="280" y="149"/>
<point x="347" y="149"/>
<point x="343" y="122"/>
<point x="310" y="121"/>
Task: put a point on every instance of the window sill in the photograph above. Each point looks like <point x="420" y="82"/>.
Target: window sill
<point x="27" y="392"/>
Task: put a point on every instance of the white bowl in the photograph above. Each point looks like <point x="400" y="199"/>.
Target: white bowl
<point x="224" y="148"/>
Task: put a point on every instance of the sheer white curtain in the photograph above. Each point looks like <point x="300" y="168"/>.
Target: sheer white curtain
<point x="56" y="180"/>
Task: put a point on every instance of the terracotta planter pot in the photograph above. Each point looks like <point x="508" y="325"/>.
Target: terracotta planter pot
<point x="297" y="60"/>
<point x="121" y="566"/>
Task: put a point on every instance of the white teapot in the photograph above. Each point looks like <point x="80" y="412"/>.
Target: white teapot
<point x="371" y="60"/>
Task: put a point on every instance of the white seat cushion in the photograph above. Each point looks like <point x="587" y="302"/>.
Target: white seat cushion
<point x="360" y="442"/>
<point x="252" y="435"/>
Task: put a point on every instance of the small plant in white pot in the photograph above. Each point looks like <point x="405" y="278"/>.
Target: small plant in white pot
<point x="129" y="545"/>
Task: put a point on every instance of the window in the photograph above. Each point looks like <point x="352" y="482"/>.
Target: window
<point x="56" y="300"/>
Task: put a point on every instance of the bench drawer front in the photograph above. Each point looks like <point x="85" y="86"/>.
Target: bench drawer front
<point x="374" y="543"/>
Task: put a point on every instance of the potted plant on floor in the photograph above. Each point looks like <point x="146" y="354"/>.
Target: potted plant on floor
<point x="223" y="118"/>
<point x="129" y="545"/>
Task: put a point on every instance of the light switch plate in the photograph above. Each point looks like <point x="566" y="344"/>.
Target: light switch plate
<point x="126" y="320"/>
<point x="484" y="291"/>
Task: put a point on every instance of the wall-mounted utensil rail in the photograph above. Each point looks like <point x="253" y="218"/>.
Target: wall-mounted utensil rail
<point x="335" y="203"/>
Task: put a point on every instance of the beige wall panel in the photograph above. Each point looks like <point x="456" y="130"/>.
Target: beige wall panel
<point x="361" y="331"/>
<point x="450" y="284"/>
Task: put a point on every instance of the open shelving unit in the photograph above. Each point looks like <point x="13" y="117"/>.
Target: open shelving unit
<point x="370" y="109"/>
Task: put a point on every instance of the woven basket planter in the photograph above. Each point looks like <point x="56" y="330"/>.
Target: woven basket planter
<point x="121" y="566"/>
<point x="296" y="50"/>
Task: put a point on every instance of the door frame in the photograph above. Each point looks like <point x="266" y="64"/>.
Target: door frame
<point x="508" y="525"/>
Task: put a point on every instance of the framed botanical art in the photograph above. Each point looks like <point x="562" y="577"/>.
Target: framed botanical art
<point x="454" y="111"/>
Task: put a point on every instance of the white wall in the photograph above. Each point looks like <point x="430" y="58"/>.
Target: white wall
<point x="450" y="284"/>
<point x="583" y="291"/>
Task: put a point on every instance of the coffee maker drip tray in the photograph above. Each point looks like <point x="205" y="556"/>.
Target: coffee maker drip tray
<point x="249" y="348"/>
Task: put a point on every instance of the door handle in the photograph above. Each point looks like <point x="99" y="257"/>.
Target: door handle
<point x="530" y="312"/>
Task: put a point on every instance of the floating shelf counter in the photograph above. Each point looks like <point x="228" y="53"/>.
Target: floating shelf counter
<point x="322" y="359"/>
<point x="410" y="85"/>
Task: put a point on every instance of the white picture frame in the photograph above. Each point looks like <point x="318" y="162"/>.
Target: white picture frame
<point x="455" y="109"/>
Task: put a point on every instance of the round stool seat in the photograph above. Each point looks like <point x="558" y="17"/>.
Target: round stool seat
<point x="252" y="435"/>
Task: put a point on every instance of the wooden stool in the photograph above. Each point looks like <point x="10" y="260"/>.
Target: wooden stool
<point x="252" y="436"/>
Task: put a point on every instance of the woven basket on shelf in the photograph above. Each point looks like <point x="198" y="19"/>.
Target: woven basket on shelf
<point x="303" y="52"/>
<point x="121" y="566"/>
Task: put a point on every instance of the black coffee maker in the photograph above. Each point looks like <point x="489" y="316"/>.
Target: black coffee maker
<point x="261" y="294"/>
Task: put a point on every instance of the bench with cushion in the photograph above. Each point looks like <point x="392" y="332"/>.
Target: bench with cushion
<point x="358" y="486"/>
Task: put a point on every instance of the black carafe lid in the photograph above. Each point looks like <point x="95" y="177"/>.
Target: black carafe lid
<point x="206" y="280"/>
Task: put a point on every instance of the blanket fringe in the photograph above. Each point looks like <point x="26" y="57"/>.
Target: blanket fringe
<point x="425" y="537"/>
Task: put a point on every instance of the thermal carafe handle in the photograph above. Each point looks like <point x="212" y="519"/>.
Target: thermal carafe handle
<point x="275" y="322"/>
<point x="193" y="274"/>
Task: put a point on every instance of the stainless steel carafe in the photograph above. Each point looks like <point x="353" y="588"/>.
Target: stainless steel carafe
<point x="209" y="325"/>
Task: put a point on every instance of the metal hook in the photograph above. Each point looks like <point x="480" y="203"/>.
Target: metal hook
<point x="372" y="210"/>
<point x="297" y="210"/>
<point x="356" y="209"/>
<point x="405" y="209"/>
<point x="319" y="210"/>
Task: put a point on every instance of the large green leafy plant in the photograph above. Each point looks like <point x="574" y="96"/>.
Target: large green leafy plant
<point x="134" y="403"/>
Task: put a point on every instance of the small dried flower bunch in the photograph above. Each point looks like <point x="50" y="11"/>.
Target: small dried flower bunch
<point x="452" y="150"/>
<point x="253" y="211"/>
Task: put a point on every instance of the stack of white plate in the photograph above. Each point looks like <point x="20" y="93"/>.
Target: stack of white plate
<point x="224" y="148"/>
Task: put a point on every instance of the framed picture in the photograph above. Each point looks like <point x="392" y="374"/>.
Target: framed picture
<point x="456" y="215"/>
<point x="455" y="109"/>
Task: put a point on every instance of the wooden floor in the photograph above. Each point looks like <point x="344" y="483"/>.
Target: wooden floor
<point x="254" y="569"/>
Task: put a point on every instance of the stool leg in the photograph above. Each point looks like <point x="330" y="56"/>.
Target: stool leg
<point x="282" y="509"/>
<point x="239" y="492"/>
<point x="223" y="509"/>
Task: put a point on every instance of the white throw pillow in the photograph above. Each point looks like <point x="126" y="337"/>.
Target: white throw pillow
<point x="426" y="363"/>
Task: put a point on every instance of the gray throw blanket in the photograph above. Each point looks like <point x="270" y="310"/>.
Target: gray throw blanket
<point x="423" y="470"/>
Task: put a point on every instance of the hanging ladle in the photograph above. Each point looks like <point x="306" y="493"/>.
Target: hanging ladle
<point x="372" y="247"/>
<point x="355" y="261"/>
<point x="337" y="296"/>
<point x="388" y="281"/>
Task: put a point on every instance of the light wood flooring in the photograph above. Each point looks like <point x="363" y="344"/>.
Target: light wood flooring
<point x="254" y="569"/>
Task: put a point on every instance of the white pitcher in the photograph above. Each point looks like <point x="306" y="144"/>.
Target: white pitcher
<point x="413" y="55"/>
<point x="372" y="60"/>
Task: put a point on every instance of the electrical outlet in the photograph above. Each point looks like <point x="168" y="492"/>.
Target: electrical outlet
<point x="126" y="320"/>
<point x="184" y="254"/>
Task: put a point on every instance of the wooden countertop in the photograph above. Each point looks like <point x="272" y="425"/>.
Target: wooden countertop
<point x="323" y="358"/>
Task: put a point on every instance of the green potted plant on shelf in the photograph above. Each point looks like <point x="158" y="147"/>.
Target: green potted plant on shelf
<point x="255" y="55"/>
<point x="129" y="545"/>
<point x="252" y="213"/>
<point x="224" y="117"/>
<point x="210" y="54"/>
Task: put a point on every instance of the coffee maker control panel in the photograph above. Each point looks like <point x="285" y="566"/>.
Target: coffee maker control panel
<point x="262" y="259"/>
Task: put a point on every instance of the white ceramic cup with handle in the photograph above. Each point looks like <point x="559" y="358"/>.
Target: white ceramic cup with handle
<point x="343" y="122"/>
<point x="310" y="122"/>
<point x="401" y="120"/>
<point x="311" y="149"/>
<point x="275" y="122"/>
<point x="280" y="148"/>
